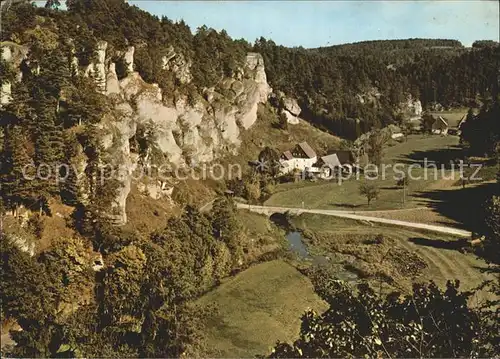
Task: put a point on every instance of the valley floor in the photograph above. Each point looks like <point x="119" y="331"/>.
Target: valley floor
<point x="263" y="304"/>
<point x="250" y="312"/>
<point x="438" y="199"/>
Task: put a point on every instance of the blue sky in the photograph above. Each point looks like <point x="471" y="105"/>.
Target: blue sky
<point x="323" y="23"/>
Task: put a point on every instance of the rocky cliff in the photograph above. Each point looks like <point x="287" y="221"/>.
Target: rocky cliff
<point x="185" y="131"/>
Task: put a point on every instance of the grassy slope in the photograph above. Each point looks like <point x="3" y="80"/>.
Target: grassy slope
<point x="260" y="234"/>
<point x="256" y="308"/>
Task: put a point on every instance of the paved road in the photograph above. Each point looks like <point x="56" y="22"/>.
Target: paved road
<point x="361" y="217"/>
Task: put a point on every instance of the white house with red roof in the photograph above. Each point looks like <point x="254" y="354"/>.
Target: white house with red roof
<point x="300" y="158"/>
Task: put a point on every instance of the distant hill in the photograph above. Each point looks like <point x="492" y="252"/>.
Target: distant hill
<point x="390" y="45"/>
<point x="333" y="82"/>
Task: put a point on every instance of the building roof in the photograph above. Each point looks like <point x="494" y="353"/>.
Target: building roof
<point x="331" y="160"/>
<point x="288" y="155"/>
<point x="455" y="119"/>
<point x="304" y="146"/>
<point x="338" y="158"/>
<point x="344" y="157"/>
<point x="440" y="122"/>
<point x="452" y="119"/>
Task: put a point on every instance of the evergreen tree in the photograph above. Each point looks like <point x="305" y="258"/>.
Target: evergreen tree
<point x="28" y="294"/>
<point x="225" y="223"/>
<point x="49" y="145"/>
<point x="376" y="147"/>
<point x="18" y="170"/>
<point x="70" y="187"/>
<point x="492" y="230"/>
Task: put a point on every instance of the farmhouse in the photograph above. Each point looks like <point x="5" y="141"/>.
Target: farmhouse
<point x="448" y="122"/>
<point x="300" y="158"/>
<point x="455" y="121"/>
<point x="440" y="126"/>
<point x="329" y="165"/>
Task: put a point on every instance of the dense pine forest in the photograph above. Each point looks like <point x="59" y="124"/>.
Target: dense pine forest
<point x="327" y="80"/>
<point x="143" y="302"/>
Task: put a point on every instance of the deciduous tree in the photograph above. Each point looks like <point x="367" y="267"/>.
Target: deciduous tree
<point x="429" y="322"/>
<point x="369" y="190"/>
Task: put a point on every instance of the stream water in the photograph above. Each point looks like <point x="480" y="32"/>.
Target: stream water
<point x="298" y="246"/>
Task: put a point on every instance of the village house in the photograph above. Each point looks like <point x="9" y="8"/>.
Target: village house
<point x="300" y="158"/>
<point x="330" y="165"/>
<point x="448" y="123"/>
<point x="455" y="121"/>
<point x="440" y="126"/>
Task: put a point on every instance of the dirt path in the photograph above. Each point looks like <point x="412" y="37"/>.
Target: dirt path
<point x="207" y="206"/>
<point x="358" y="215"/>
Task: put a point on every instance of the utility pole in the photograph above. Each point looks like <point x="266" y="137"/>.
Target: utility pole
<point x="404" y="182"/>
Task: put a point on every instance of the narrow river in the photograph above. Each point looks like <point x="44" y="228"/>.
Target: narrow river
<point x="298" y="246"/>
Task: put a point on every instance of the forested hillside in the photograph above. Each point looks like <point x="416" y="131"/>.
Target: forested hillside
<point x="212" y="54"/>
<point x="62" y="64"/>
<point x="328" y="80"/>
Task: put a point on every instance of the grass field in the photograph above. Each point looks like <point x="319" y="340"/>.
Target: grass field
<point x="261" y="236"/>
<point x="437" y="199"/>
<point x="332" y="195"/>
<point x="398" y="259"/>
<point x="256" y="308"/>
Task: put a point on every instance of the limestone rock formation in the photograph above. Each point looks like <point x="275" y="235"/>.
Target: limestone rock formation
<point x="292" y="110"/>
<point x="289" y="107"/>
<point x="186" y="133"/>
<point x="369" y="96"/>
<point x="5" y="93"/>
<point x="98" y="69"/>
<point x="112" y="83"/>
<point x="292" y="106"/>
<point x="14" y="54"/>
<point x="129" y="58"/>
<point x="291" y="119"/>
<point x="255" y="62"/>
<point x="23" y="244"/>
<point x="177" y="63"/>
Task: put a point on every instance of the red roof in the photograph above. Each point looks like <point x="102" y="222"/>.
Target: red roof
<point x="309" y="152"/>
<point x="288" y="155"/>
